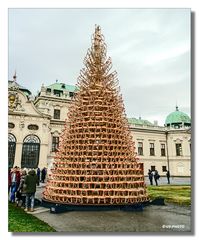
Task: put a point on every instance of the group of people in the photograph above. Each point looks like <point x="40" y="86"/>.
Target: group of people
<point x="155" y="175"/>
<point x="22" y="186"/>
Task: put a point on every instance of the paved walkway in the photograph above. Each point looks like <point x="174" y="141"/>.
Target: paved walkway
<point x="173" y="181"/>
<point x="151" y="219"/>
<point x="169" y="218"/>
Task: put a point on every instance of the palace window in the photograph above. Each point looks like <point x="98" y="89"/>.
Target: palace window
<point x="57" y="93"/>
<point x="48" y="91"/>
<point x="180" y="168"/>
<point x="152" y="149"/>
<point x="164" y="168"/>
<point x="11" y="125"/>
<point x="178" y="149"/>
<point x="55" y="144"/>
<point x="33" y="127"/>
<point x="11" y="149"/>
<point x="152" y="168"/>
<point x="71" y="94"/>
<point x="56" y="114"/>
<point x="163" y="153"/>
<point x="30" y="152"/>
<point x="140" y="148"/>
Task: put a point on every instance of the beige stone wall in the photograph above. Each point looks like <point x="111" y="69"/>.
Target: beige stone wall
<point x="56" y="131"/>
<point x="48" y="105"/>
<point x="26" y="115"/>
<point x="148" y="135"/>
<point x="21" y="131"/>
<point x="178" y="165"/>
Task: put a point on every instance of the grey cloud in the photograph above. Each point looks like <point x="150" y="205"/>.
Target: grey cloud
<point x="150" y="49"/>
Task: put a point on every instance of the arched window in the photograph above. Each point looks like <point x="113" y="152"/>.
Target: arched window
<point x="11" y="149"/>
<point x="31" y="139"/>
<point x="30" y="152"/>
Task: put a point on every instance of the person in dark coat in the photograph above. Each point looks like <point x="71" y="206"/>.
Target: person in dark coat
<point x="168" y="176"/>
<point x="150" y="174"/>
<point x="43" y="174"/>
<point x="156" y="177"/>
<point x="30" y="184"/>
<point x="38" y="175"/>
<point x="15" y="181"/>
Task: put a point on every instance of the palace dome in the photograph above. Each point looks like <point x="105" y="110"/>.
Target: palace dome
<point x="178" y="118"/>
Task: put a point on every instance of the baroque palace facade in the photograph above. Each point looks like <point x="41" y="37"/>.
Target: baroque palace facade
<point x="35" y="125"/>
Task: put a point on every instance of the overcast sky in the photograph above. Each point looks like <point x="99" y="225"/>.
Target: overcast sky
<point x="150" y="50"/>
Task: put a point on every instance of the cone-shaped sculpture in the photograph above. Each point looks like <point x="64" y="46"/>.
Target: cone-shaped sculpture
<point x="96" y="162"/>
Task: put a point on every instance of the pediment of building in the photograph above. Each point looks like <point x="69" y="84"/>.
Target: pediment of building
<point x="19" y="103"/>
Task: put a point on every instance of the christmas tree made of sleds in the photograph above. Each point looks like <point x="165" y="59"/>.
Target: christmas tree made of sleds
<point x="96" y="163"/>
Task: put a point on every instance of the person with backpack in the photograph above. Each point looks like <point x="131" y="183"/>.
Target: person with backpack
<point x="30" y="183"/>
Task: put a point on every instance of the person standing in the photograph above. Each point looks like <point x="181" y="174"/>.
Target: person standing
<point x="15" y="180"/>
<point x="30" y="189"/>
<point x="43" y="174"/>
<point x="21" y="189"/>
<point x="168" y="176"/>
<point x="38" y="175"/>
<point x="150" y="174"/>
<point x="156" y="177"/>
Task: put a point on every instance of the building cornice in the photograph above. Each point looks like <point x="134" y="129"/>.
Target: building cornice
<point x="146" y="130"/>
<point x="57" y="122"/>
<point x="11" y="113"/>
<point x="52" y="99"/>
<point x="177" y="131"/>
<point x="160" y="130"/>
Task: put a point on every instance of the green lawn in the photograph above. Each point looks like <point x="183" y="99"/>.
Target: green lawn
<point x="20" y="221"/>
<point x="174" y="194"/>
